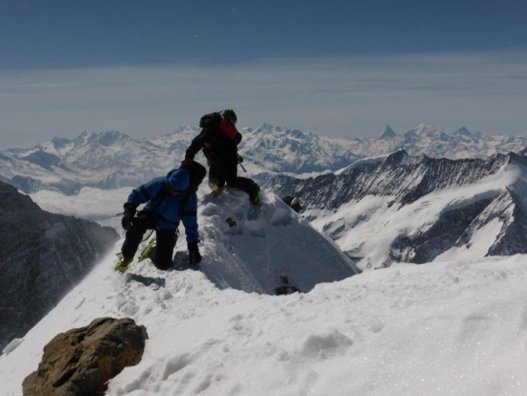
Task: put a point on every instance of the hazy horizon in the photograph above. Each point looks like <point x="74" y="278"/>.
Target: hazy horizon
<point x="337" y="69"/>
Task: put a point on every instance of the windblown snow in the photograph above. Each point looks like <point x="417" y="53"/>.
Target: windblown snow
<point x="454" y="327"/>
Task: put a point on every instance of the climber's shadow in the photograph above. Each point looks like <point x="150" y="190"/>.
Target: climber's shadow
<point x="146" y="280"/>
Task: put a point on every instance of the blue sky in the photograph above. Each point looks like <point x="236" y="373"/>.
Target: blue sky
<point x="342" y="68"/>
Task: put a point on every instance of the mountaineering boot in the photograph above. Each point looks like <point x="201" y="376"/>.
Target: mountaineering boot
<point x="194" y="255"/>
<point x="122" y="264"/>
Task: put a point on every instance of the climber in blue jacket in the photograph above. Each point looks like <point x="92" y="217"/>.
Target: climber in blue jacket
<point x="168" y="200"/>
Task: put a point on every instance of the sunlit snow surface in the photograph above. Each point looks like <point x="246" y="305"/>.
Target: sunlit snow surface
<point x="448" y="328"/>
<point x="452" y="327"/>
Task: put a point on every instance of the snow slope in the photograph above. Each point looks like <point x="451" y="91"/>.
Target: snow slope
<point x="449" y="329"/>
<point x="265" y="244"/>
<point x="257" y="246"/>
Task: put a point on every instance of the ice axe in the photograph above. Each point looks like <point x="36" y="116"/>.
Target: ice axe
<point x="240" y="160"/>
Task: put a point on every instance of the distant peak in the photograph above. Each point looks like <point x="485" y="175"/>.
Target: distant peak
<point x="108" y="138"/>
<point x="105" y="138"/>
<point x="422" y="127"/>
<point x="463" y="131"/>
<point x="59" y="142"/>
<point x="423" y="130"/>
<point x="265" y="127"/>
<point x="387" y="133"/>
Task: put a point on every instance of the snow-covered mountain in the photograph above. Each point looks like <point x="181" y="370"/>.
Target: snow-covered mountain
<point x="220" y="331"/>
<point x="278" y="149"/>
<point x="104" y="160"/>
<point x="434" y="142"/>
<point x="458" y="328"/>
<point x="109" y="160"/>
<point x="418" y="209"/>
<point x="43" y="256"/>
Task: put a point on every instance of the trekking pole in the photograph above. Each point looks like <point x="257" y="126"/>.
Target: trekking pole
<point x="245" y="170"/>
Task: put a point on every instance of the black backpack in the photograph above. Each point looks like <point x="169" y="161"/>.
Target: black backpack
<point x="210" y="121"/>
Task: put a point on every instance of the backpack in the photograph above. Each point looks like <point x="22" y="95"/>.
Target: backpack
<point x="210" y="121"/>
<point x="217" y="122"/>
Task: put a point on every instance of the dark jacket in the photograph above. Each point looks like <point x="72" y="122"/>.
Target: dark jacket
<point x="219" y="143"/>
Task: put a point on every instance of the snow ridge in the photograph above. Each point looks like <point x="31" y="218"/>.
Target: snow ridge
<point x="253" y="248"/>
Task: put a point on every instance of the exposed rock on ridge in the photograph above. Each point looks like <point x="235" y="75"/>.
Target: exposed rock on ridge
<point x="43" y="256"/>
<point x="81" y="361"/>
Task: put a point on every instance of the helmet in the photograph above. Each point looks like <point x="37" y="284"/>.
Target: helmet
<point x="230" y="115"/>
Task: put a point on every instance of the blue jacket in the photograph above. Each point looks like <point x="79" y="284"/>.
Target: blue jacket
<point x="166" y="208"/>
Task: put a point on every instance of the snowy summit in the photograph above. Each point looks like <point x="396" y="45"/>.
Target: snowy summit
<point x="455" y="328"/>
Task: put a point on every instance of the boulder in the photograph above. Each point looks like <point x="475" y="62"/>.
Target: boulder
<point x="81" y="361"/>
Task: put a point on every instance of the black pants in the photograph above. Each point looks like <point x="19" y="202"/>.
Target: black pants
<point x="165" y="240"/>
<point x="219" y="174"/>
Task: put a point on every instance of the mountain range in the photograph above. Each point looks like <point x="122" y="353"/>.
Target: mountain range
<point x="111" y="159"/>
<point x="434" y="142"/>
<point x="402" y="208"/>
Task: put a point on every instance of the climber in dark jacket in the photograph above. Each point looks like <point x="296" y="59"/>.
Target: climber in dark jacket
<point x="219" y="140"/>
<point x="168" y="201"/>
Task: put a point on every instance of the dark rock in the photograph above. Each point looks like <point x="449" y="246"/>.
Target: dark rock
<point x="293" y="202"/>
<point x="43" y="256"/>
<point x="82" y="361"/>
<point x="285" y="288"/>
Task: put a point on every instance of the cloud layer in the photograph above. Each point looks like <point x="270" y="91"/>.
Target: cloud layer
<point x="338" y="96"/>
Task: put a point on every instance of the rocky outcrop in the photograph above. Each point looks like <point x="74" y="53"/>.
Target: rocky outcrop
<point x="81" y="361"/>
<point x="43" y="256"/>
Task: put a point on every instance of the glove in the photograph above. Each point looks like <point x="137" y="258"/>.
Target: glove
<point x="128" y="216"/>
<point x="193" y="253"/>
<point x="240" y="158"/>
